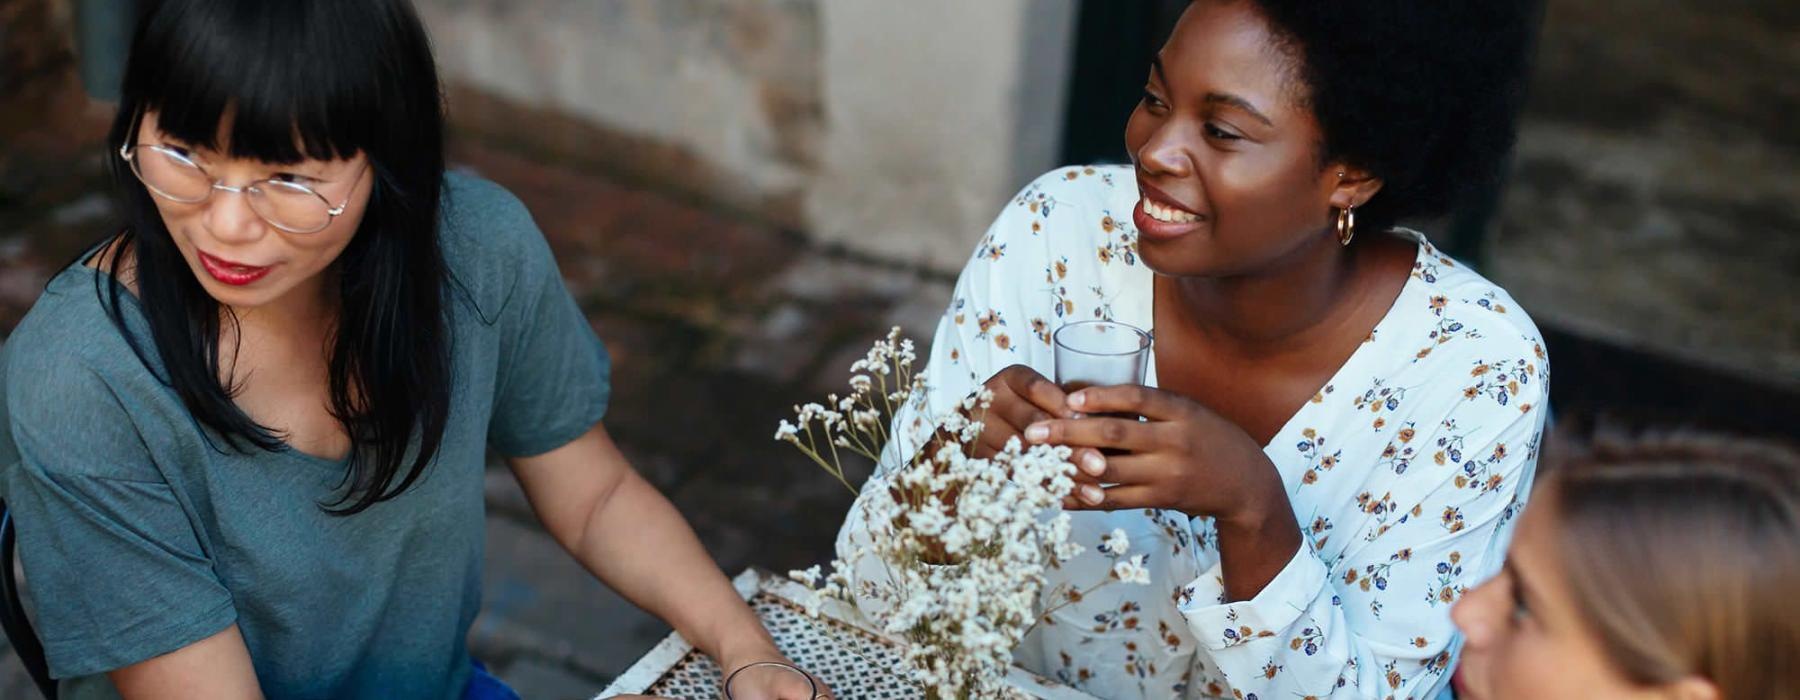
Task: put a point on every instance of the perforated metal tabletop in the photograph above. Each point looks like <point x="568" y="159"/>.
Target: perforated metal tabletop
<point x="838" y="646"/>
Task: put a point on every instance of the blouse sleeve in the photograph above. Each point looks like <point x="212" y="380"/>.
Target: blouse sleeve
<point x="120" y="573"/>
<point x="1375" y="622"/>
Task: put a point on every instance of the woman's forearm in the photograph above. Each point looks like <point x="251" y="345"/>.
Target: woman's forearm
<point x="637" y="542"/>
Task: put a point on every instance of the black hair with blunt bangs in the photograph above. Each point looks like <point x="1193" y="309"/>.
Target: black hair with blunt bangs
<point x="322" y="79"/>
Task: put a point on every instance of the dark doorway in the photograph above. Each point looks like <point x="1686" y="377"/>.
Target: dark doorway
<point x="1114" y="41"/>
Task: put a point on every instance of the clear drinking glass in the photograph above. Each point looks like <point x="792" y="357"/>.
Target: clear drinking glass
<point x="749" y="676"/>
<point x="1100" y="353"/>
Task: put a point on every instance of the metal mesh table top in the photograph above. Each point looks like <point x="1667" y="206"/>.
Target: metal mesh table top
<point x="855" y="663"/>
<point x="837" y="647"/>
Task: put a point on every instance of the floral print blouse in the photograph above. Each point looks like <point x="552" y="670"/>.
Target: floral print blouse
<point x="1405" y="472"/>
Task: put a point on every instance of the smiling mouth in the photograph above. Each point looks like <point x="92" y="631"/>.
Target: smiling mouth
<point x="1159" y="207"/>
<point x="1168" y="215"/>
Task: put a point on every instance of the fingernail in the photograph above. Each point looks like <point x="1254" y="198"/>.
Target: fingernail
<point x="1092" y="494"/>
<point x="1037" y="432"/>
<point x="1077" y="399"/>
<point x="1093" y="464"/>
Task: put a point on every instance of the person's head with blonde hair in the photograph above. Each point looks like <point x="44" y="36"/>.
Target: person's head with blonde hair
<point x="1660" y="566"/>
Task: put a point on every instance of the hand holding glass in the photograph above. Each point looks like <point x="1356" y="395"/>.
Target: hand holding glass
<point x="1100" y="353"/>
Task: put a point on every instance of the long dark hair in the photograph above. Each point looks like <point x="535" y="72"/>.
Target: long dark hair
<point x="318" y="79"/>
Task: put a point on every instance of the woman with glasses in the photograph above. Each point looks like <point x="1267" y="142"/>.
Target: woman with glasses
<point x="1339" y="420"/>
<point x="245" y="436"/>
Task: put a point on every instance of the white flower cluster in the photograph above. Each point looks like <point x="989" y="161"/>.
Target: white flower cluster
<point x="880" y="384"/>
<point x="964" y="544"/>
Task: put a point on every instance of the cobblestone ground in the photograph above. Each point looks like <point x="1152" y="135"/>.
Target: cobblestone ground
<point x="1671" y="185"/>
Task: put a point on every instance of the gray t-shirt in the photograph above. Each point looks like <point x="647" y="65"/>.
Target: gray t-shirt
<point x="138" y="537"/>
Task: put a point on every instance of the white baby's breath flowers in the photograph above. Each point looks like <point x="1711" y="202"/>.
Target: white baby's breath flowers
<point x="964" y="544"/>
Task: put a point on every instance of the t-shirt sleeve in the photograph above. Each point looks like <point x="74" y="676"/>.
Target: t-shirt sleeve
<point x="555" y="377"/>
<point x="116" y="569"/>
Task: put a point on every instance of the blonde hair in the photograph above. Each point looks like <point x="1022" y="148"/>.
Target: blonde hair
<point x="1683" y="553"/>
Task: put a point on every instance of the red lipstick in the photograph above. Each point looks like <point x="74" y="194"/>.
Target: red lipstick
<point x="228" y="272"/>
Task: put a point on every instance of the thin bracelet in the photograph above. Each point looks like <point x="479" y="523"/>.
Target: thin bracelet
<point x="813" y="688"/>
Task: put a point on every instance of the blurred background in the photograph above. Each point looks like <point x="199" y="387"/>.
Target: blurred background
<point x="744" y="193"/>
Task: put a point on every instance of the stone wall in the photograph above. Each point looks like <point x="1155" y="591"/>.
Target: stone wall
<point x="893" y="128"/>
<point x="723" y="99"/>
<point x="939" y="111"/>
<point x="1654" y="202"/>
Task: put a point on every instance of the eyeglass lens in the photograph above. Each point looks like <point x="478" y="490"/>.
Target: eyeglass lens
<point x="289" y="206"/>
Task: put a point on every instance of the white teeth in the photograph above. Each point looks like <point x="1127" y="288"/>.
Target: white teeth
<point x="1168" y="214"/>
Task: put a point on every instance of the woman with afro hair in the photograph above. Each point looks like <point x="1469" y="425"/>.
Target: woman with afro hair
<point x="1339" y="422"/>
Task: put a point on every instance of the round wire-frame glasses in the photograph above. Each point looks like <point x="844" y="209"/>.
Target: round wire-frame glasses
<point x="289" y="206"/>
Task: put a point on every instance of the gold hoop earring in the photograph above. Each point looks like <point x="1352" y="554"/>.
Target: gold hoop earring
<point x="1346" y="225"/>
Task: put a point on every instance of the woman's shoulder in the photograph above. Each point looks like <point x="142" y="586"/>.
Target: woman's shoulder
<point x="1069" y="214"/>
<point x="479" y="216"/>
<point x="69" y="328"/>
<point x="490" y="243"/>
<point x="1452" y="326"/>
<point x="1087" y="186"/>
<point x="1075" y="203"/>
<point x="66" y="366"/>
<point x="1455" y="290"/>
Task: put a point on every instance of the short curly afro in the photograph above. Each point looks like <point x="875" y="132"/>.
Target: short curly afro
<point x="1425" y="94"/>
